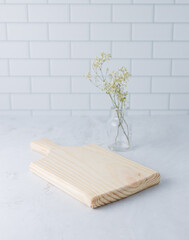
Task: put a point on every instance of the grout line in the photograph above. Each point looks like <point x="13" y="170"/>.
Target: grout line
<point x="50" y="103"/>
<point x="8" y="66"/>
<point x="49" y="68"/>
<point x="60" y="76"/>
<point x="71" y="83"/>
<point x="96" y="22"/>
<point x="152" y="49"/>
<point x="111" y="20"/>
<point x="171" y="62"/>
<point x="48" y="34"/>
<point x="90" y="101"/>
<point x="10" y="101"/>
<point x="8" y="61"/>
<point x="6" y="33"/>
<point x="48" y="37"/>
<point x="70" y="42"/>
<point x="95" y="109"/>
<point x="151" y="86"/>
<point x="70" y="50"/>
<point x="27" y="13"/>
<point x="89" y="32"/>
<point x="98" y="41"/>
<point x="30" y="92"/>
<point x="111" y="48"/>
<point x="29" y="49"/>
<point x="84" y="59"/>
<point x="98" y="4"/>
<point x="93" y="93"/>
<point x="69" y="13"/>
<point x="169" y="101"/>
<point x="153" y="13"/>
<point x="30" y="86"/>
<point x="172" y="32"/>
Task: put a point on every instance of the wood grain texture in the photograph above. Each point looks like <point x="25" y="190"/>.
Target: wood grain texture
<point x="90" y="173"/>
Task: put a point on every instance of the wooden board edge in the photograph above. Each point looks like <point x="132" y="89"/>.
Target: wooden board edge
<point x="65" y="187"/>
<point x="99" y="200"/>
<point x="125" y="191"/>
<point x="43" y="146"/>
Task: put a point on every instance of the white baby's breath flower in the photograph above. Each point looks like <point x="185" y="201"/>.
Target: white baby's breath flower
<point x="113" y="83"/>
<point x="88" y="76"/>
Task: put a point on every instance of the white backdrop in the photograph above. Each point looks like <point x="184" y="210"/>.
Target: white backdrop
<point x="46" y="47"/>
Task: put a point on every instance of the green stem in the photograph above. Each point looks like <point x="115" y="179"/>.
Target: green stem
<point x="117" y="134"/>
<point x="120" y="123"/>
<point x="118" y="106"/>
<point x="125" y="132"/>
<point x="120" y="118"/>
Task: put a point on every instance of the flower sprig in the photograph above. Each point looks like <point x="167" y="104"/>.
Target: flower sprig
<point x="112" y="83"/>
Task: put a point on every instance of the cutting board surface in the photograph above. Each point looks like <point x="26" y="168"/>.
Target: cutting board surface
<point x="90" y="173"/>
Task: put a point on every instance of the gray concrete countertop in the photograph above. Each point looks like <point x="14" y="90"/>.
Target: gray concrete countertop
<point x="31" y="208"/>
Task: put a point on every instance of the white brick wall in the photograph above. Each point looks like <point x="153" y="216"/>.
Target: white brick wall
<point x="90" y="13"/>
<point x="107" y="31"/>
<point x="48" y="13"/>
<point x="82" y="85"/>
<point x="100" y="101"/>
<point x="27" y="31"/>
<point x="172" y="13"/>
<point x="47" y="46"/>
<point x="4" y="68"/>
<point x="27" y="67"/>
<point x="181" y="32"/>
<point x="149" y="101"/>
<point x="11" y="13"/>
<point x="180" y="67"/>
<point x="50" y="84"/>
<point x="151" y="32"/>
<point x="14" y="84"/>
<point x="171" y="50"/>
<point x="49" y="49"/>
<point x="88" y="49"/>
<point x="151" y="67"/>
<point x="70" y="101"/>
<point x="69" y="67"/>
<point x="67" y="31"/>
<point x="131" y="49"/>
<point x="4" y="102"/>
<point x="14" y="50"/>
<point x="2" y="31"/>
<point x="132" y="13"/>
<point x="29" y="101"/>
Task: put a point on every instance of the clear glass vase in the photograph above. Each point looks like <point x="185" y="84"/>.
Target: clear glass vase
<point x="119" y="131"/>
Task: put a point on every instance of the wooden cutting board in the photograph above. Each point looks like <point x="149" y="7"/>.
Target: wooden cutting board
<point x="90" y="173"/>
